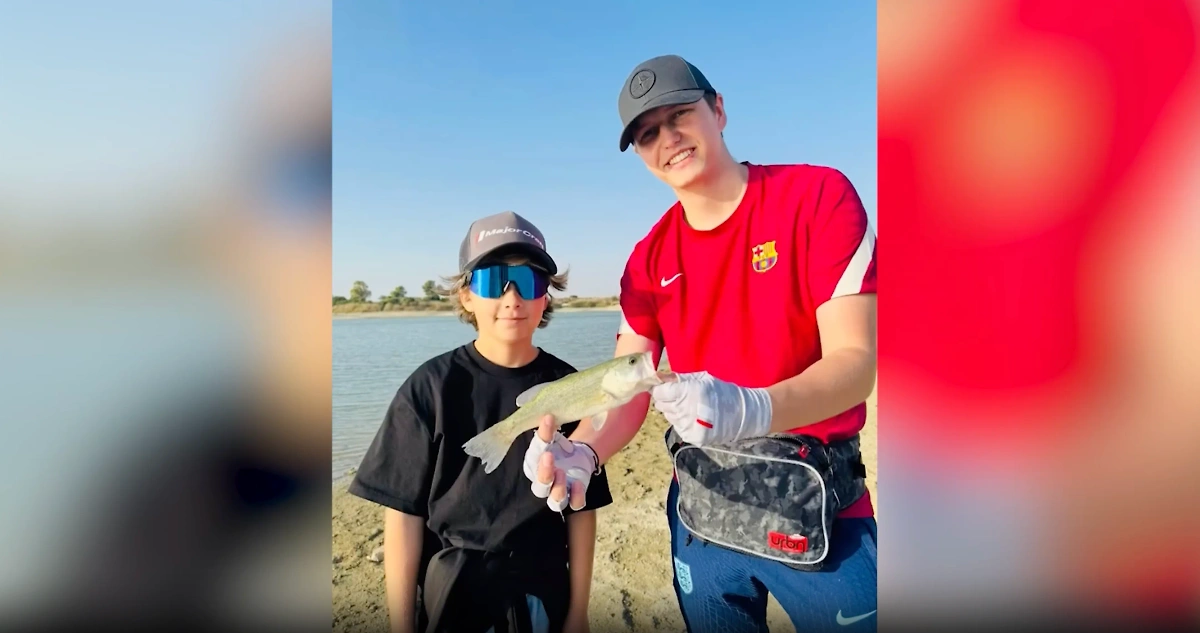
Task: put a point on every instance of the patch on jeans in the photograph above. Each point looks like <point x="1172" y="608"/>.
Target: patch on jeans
<point x="683" y="574"/>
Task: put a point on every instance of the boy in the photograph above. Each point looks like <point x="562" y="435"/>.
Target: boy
<point x="761" y="282"/>
<point x="495" y="557"/>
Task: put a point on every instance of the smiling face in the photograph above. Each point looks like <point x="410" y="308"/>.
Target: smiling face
<point x="682" y="144"/>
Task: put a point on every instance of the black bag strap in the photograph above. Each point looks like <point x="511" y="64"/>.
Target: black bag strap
<point x="674" y="443"/>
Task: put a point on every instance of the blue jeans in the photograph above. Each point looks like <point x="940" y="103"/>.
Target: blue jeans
<point x="724" y="590"/>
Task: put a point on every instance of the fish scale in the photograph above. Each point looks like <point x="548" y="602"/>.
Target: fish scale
<point x="590" y="393"/>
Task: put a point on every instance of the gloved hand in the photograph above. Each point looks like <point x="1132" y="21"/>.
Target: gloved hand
<point x="562" y="476"/>
<point x="705" y="410"/>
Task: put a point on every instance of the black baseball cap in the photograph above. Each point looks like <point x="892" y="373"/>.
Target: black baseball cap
<point x="661" y="81"/>
<point x="503" y="234"/>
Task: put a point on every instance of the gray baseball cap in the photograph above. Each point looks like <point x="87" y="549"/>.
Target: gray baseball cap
<point x="502" y="234"/>
<point x="661" y="81"/>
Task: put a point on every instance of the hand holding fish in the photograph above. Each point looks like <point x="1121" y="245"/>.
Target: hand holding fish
<point x="705" y="410"/>
<point x="559" y="468"/>
<point x="589" y="394"/>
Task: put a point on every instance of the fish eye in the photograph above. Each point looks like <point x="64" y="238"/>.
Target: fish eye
<point x="632" y="361"/>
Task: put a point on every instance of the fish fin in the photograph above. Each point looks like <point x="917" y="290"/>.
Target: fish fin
<point x="598" y="420"/>
<point x="529" y="394"/>
<point x="491" y="446"/>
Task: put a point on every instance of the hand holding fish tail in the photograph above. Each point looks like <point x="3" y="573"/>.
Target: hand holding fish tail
<point x="558" y="468"/>
<point x="707" y="410"/>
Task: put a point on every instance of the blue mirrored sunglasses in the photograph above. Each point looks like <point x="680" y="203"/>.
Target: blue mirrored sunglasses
<point x="491" y="282"/>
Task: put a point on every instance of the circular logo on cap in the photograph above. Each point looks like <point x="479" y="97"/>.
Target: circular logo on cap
<point x="641" y="83"/>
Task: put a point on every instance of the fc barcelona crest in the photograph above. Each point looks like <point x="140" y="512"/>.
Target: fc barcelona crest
<point x="763" y="257"/>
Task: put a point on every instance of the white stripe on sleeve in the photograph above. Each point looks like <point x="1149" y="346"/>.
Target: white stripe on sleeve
<point x="852" y="279"/>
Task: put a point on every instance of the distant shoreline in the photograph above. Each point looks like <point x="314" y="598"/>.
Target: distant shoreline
<point x="378" y="314"/>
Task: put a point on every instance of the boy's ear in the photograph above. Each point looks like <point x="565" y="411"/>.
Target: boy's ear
<point x="719" y="110"/>
<point x="464" y="298"/>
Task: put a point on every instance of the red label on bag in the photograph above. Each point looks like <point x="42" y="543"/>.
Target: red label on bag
<point x="793" y="543"/>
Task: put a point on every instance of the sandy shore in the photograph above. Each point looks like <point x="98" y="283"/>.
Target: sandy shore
<point x="631" y="588"/>
<point x="447" y="313"/>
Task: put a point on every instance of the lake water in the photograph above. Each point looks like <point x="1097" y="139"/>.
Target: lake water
<point x="373" y="356"/>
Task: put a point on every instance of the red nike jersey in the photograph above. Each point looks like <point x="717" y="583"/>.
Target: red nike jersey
<point x="740" y="301"/>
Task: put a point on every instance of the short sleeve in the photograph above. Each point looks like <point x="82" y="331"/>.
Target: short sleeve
<point x="397" y="470"/>
<point x="841" y="244"/>
<point x="638" y="312"/>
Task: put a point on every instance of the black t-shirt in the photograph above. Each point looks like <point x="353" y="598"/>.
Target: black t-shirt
<point x="416" y="463"/>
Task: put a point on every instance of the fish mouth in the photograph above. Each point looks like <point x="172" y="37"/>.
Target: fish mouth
<point x="661" y="378"/>
<point x="652" y="377"/>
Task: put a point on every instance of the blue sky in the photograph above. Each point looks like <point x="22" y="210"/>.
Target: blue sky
<point x="107" y="99"/>
<point x="443" y="115"/>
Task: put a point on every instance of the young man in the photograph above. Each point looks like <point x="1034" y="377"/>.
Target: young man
<point x="760" y="281"/>
<point x="493" y="557"/>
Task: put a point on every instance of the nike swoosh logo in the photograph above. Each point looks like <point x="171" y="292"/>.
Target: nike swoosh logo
<point x="847" y="621"/>
<point x="664" y="282"/>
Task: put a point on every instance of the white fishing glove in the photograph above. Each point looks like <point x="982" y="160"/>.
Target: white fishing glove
<point x="705" y="410"/>
<point x="577" y="461"/>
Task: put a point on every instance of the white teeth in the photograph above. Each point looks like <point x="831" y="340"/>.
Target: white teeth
<point x="680" y="156"/>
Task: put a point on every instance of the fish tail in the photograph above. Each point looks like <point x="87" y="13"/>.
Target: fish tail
<point x="492" y="445"/>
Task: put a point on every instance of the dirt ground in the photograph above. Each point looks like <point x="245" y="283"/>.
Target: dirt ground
<point x="631" y="588"/>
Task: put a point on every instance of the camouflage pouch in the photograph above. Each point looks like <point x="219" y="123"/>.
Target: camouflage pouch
<point x="775" y="497"/>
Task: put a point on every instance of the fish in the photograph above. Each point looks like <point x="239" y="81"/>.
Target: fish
<point x="590" y="393"/>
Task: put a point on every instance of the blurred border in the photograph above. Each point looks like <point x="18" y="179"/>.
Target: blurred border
<point x="165" y="206"/>
<point x="1038" y="366"/>
<point x="166" y="325"/>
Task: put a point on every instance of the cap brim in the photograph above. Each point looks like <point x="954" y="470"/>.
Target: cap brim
<point x="671" y="98"/>
<point x="536" y="256"/>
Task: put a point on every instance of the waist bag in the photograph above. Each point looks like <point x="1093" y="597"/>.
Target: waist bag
<point x="774" y="497"/>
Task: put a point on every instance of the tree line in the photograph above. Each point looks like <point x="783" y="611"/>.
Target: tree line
<point x="361" y="293"/>
<point x="359" y="300"/>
